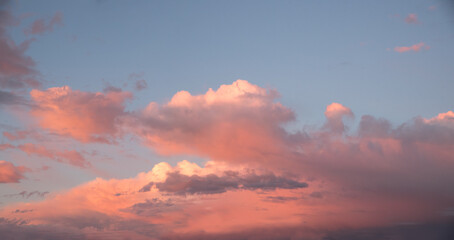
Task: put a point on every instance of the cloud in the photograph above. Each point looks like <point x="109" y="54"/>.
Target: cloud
<point x="153" y="207"/>
<point x="10" y="173"/>
<point x="240" y="116"/>
<point x="444" y="119"/>
<point x="40" y="26"/>
<point x="181" y="184"/>
<point x="335" y="113"/>
<point x="140" y="85"/>
<point x="9" y="98"/>
<point x="419" y="231"/>
<point x="16" y="69"/>
<point x="17" y="135"/>
<point x="71" y="157"/>
<point x="412" y="18"/>
<point x="85" y="116"/>
<point x="95" y="210"/>
<point x="415" y="48"/>
<point x="27" y="194"/>
<point x="242" y="124"/>
<point x="6" y="146"/>
<point x="361" y="173"/>
<point x="139" y="82"/>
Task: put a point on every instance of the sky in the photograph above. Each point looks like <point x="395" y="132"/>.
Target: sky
<point x="227" y="119"/>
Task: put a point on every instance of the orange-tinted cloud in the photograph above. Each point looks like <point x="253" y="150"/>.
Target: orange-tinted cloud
<point x="10" y="173"/>
<point x="415" y="48"/>
<point x="85" y="116"/>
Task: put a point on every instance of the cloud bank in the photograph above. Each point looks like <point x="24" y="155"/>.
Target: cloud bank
<point x="259" y="175"/>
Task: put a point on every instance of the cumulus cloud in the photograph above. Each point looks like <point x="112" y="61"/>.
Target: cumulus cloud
<point x="10" y="173"/>
<point x="361" y="173"/>
<point x="41" y="26"/>
<point x="240" y="121"/>
<point x="444" y="119"/>
<point x="416" y="48"/>
<point x="85" y="116"/>
<point x="335" y="113"/>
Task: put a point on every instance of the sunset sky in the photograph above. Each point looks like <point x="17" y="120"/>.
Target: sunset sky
<point x="181" y="120"/>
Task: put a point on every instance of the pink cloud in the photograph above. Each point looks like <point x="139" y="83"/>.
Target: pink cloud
<point x="10" y="173"/>
<point x="412" y="18"/>
<point x="6" y="146"/>
<point x="414" y="48"/>
<point x="85" y="116"/>
<point x="100" y="208"/>
<point x="22" y="134"/>
<point x="240" y="116"/>
<point x="72" y="157"/>
<point x="335" y="113"/>
<point x="40" y="26"/>
<point x="312" y="178"/>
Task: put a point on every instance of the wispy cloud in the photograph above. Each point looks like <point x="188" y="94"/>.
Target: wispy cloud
<point x="41" y="26"/>
<point x="415" y="48"/>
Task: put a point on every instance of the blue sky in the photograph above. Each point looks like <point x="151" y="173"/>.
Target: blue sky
<point x="312" y="52"/>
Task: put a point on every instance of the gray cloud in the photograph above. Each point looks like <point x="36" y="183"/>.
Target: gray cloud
<point x="180" y="184"/>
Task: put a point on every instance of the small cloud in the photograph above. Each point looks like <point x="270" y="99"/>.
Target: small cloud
<point x="432" y="8"/>
<point x="27" y="195"/>
<point x="415" y="48"/>
<point x="71" y="157"/>
<point x="22" y="211"/>
<point x="140" y="85"/>
<point x="10" y="173"/>
<point x="279" y="199"/>
<point x="139" y="81"/>
<point x="41" y="26"/>
<point x="412" y="18"/>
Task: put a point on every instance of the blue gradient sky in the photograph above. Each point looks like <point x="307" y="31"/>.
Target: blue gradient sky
<point x="312" y="52"/>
